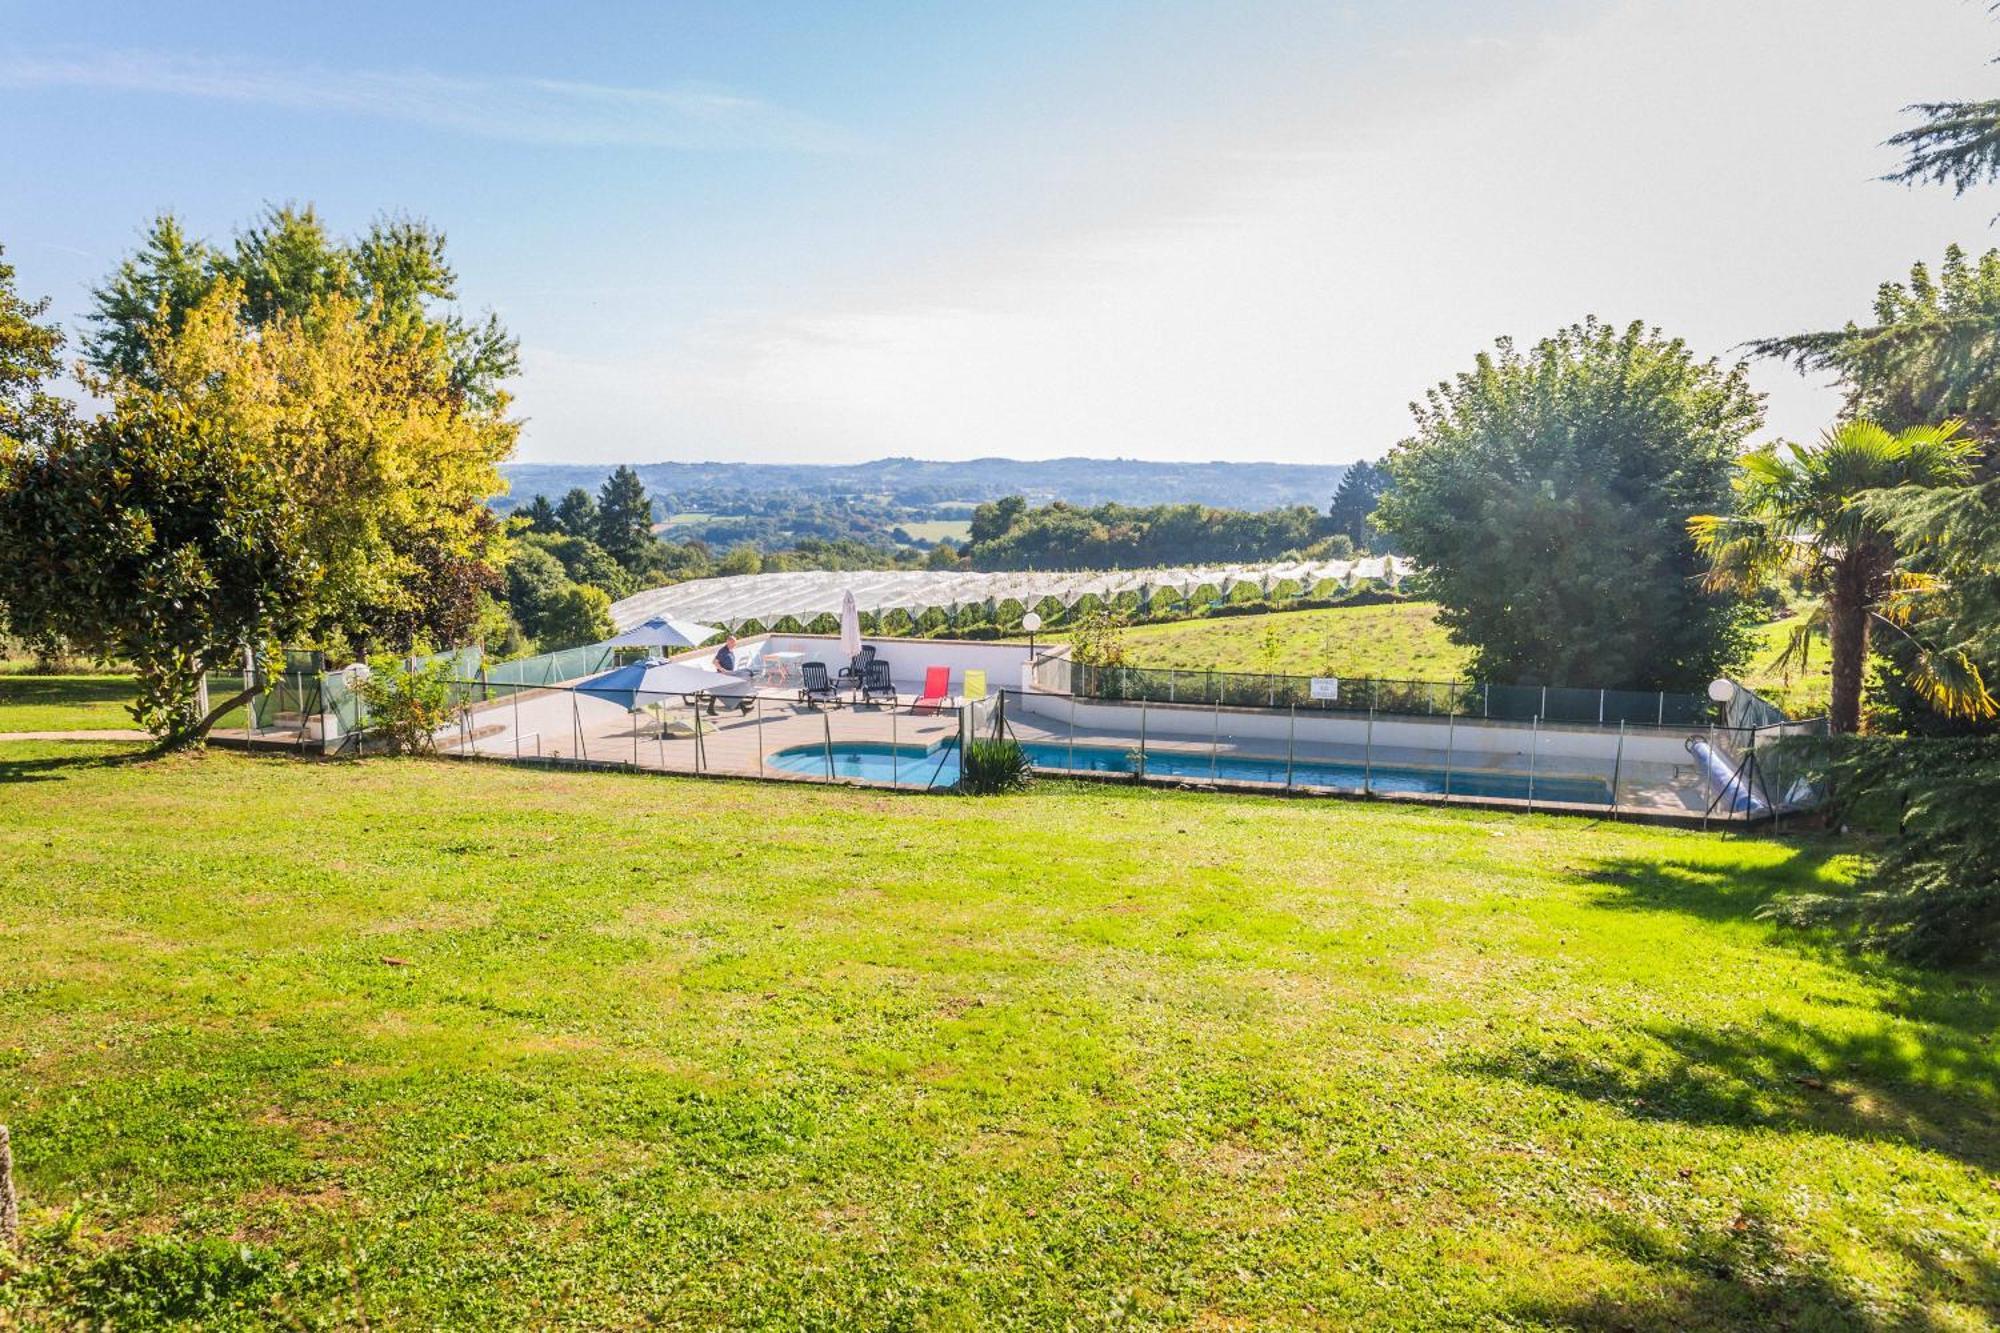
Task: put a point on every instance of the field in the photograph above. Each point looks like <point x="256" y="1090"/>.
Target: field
<point x="415" y="1044"/>
<point x="1398" y="640"/>
<point x="1395" y="639"/>
<point x="939" y="529"/>
<point x="65" y="703"/>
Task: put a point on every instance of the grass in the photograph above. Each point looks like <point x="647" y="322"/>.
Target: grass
<point x="65" y="703"/>
<point x="1403" y="640"/>
<point x="939" y="529"/>
<point x="415" y="1044"/>
<point x="1395" y="639"/>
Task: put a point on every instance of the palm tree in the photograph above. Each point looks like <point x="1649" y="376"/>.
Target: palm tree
<point x="1797" y="515"/>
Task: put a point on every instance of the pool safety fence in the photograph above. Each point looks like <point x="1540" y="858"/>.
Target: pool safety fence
<point x="1372" y="694"/>
<point x="1705" y="772"/>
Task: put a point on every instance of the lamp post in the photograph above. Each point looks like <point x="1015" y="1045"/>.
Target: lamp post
<point x="1031" y="622"/>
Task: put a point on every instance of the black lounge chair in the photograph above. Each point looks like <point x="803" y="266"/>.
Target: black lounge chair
<point x="815" y="686"/>
<point x="877" y="682"/>
<point x="855" y="674"/>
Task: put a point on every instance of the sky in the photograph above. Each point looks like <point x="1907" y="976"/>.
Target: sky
<point x="809" y="232"/>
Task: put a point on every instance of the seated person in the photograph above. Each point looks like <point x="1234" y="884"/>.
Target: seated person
<point x="725" y="662"/>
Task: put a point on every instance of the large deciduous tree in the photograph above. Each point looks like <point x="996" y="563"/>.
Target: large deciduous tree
<point x="314" y="477"/>
<point x="1798" y="515"/>
<point x="1546" y="494"/>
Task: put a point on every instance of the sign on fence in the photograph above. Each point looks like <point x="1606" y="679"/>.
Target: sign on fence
<point x="1326" y="687"/>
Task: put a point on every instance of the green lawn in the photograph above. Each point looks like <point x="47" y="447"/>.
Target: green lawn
<point x="415" y="1044"/>
<point x="1401" y="640"/>
<point x="65" y="703"/>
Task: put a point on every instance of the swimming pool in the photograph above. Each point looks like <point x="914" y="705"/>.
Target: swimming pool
<point x="918" y="766"/>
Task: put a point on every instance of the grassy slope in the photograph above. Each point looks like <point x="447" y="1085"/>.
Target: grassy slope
<point x="65" y="703"/>
<point x="740" y="1053"/>
<point x="1397" y="640"/>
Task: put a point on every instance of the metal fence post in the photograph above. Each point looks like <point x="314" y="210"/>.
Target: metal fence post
<point x="1450" y="744"/>
<point x="1534" y="745"/>
<point x="576" y="726"/>
<point x="895" y="750"/>
<point x="1617" y="764"/>
<point x="1661" y="720"/>
<point x="827" y="725"/>
<point x="1142" y="739"/>
<point x="514" y="699"/>
<point x="1543" y="710"/>
<point x="1072" y="733"/>
<point x="760" y="735"/>
<point x="1291" y="744"/>
<point x="1368" y="755"/>
<point x="1214" y="739"/>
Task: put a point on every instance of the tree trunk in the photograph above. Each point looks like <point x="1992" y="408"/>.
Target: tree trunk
<point x="1847" y="635"/>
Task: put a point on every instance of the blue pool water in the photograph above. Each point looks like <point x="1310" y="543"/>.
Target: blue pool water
<point x="916" y="766"/>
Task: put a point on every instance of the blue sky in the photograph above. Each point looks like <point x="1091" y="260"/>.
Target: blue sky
<point x="831" y="232"/>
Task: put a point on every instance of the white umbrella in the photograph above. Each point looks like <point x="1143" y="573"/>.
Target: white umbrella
<point x="850" y="625"/>
<point x="665" y="632"/>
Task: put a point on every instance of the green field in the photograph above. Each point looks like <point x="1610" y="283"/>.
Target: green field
<point x="683" y="520"/>
<point x="939" y="529"/>
<point x="1395" y="639"/>
<point x="65" y="703"/>
<point x="1398" y="640"/>
<point x="415" y="1044"/>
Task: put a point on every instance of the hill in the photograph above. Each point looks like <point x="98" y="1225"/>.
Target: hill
<point x="921" y="484"/>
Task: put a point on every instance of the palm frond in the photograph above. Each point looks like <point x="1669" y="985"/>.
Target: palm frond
<point x="1952" y="683"/>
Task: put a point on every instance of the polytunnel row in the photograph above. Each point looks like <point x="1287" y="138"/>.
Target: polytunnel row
<point x="734" y="599"/>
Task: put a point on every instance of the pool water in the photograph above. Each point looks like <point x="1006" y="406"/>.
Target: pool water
<point x="917" y="766"/>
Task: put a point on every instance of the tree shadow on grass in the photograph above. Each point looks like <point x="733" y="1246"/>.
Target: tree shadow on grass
<point x="1744" y="1275"/>
<point x="1717" y="892"/>
<point x="54" y="768"/>
<point x="1937" y="1090"/>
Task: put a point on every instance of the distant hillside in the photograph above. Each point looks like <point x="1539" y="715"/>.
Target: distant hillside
<point x="918" y="484"/>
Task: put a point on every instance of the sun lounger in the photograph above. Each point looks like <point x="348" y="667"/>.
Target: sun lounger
<point x="855" y="674"/>
<point x="877" y="683"/>
<point x="814" y="685"/>
<point x="937" y="686"/>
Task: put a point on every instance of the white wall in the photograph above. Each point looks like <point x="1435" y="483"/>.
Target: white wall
<point x="907" y="658"/>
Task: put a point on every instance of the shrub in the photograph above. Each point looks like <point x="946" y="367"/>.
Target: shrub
<point x="1933" y="893"/>
<point x="406" y="708"/>
<point x="994" y="766"/>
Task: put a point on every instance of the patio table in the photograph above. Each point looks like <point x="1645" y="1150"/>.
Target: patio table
<point x="778" y="667"/>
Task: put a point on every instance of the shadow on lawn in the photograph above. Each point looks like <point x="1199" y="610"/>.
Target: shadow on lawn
<point x="1716" y="893"/>
<point x="1913" y="1060"/>
<point x="1919" y="1064"/>
<point x="1744" y="1275"/>
<point x="54" y="768"/>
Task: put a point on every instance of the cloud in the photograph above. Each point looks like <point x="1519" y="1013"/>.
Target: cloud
<point x="691" y="117"/>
